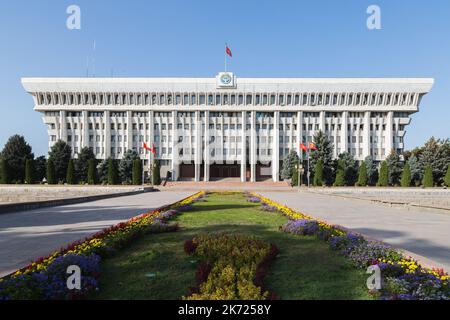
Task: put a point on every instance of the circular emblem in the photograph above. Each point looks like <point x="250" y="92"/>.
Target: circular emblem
<point x="225" y="79"/>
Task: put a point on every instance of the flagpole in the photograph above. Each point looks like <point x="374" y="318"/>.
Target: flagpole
<point x="308" y="169"/>
<point x="226" y="46"/>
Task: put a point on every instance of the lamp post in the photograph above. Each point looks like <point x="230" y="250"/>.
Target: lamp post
<point x="300" y="176"/>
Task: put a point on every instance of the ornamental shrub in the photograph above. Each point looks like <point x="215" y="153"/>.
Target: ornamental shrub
<point x="340" y="175"/>
<point x="4" y="175"/>
<point x="362" y="178"/>
<point x="70" y="173"/>
<point x="318" y="174"/>
<point x="406" y="176"/>
<point x="51" y="179"/>
<point x="294" y="178"/>
<point x="137" y="172"/>
<point x="91" y="174"/>
<point x="447" y="177"/>
<point x="302" y="227"/>
<point x="427" y="180"/>
<point x="112" y="172"/>
<point x="29" y="171"/>
<point x="383" y="177"/>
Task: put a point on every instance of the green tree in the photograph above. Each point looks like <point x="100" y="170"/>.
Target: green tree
<point x="372" y="171"/>
<point x="156" y="173"/>
<point x="325" y="153"/>
<point x="383" y="176"/>
<point x="51" y="179"/>
<point x="60" y="154"/>
<point x="395" y="168"/>
<point x="70" y="178"/>
<point x="29" y="172"/>
<point x="126" y="166"/>
<point x="82" y="163"/>
<point x="16" y="152"/>
<point x="428" y="181"/>
<point x="294" y="178"/>
<point x="112" y="172"/>
<point x="416" y="168"/>
<point x="4" y="171"/>
<point x="350" y="167"/>
<point x="362" y="178"/>
<point x="289" y="163"/>
<point x="447" y="177"/>
<point x="137" y="172"/>
<point x="102" y="171"/>
<point x="340" y="174"/>
<point x="406" y="176"/>
<point x="91" y="177"/>
<point x="436" y="155"/>
<point x="40" y="166"/>
<point x="318" y="174"/>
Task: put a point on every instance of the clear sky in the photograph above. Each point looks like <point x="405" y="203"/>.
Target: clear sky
<point x="320" y="38"/>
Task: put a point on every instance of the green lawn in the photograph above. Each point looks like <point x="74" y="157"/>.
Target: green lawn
<point x="156" y="267"/>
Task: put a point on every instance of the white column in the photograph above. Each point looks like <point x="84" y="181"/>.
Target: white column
<point x="129" y="143"/>
<point x="175" y="164"/>
<point x="207" y="154"/>
<point x="322" y="121"/>
<point x="344" y="132"/>
<point x="151" y="137"/>
<point x="85" y="131"/>
<point x="366" y="135"/>
<point x="198" y="147"/>
<point x="276" y="147"/>
<point x="107" y="134"/>
<point x="389" y="133"/>
<point x="253" y="157"/>
<point x="299" y="133"/>
<point x="63" y="126"/>
<point x="244" y="148"/>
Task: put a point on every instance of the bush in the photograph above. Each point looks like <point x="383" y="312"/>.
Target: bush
<point x="4" y="171"/>
<point x="318" y="174"/>
<point x="447" y="177"/>
<point x="340" y="175"/>
<point x="50" y="172"/>
<point x="427" y="180"/>
<point x="60" y="154"/>
<point x="112" y="172"/>
<point x="383" y="177"/>
<point x="70" y="173"/>
<point x="406" y="176"/>
<point x="294" y="178"/>
<point x="16" y="152"/>
<point x="362" y="178"/>
<point x="29" y="172"/>
<point x="137" y="173"/>
<point x="91" y="174"/>
<point x="302" y="227"/>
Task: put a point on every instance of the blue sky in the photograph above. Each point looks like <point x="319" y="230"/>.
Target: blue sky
<point x="320" y="38"/>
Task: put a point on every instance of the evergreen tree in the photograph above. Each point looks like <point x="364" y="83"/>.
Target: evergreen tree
<point x="70" y="172"/>
<point x="406" y="176"/>
<point x="436" y="155"/>
<point x="137" y="172"/>
<point x="156" y="173"/>
<point x="82" y="163"/>
<point x="126" y="166"/>
<point x="60" y="154"/>
<point x="350" y="167"/>
<point x="16" y="152"/>
<point x="325" y="153"/>
<point x="294" y="178"/>
<point x="4" y="171"/>
<point x="29" y="172"/>
<point x="102" y="171"/>
<point x="394" y="168"/>
<point x="318" y="174"/>
<point x="428" y="181"/>
<point x="289" y="164"/>
<point x="112" y="172"/>
<point x="51" y="179"/>
<point x="383" y="176"/>
<point x="40" y="166"/>
<point x="91" y="176"/>
<point x="362" y="178"/>
<point x="416" y="168"/>
<point x="447" y="177"/>
<point x="372" y="171"/>
<point x="340" y="174"/>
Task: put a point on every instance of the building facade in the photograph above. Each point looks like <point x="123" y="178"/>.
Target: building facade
<point x="225" y="126"/>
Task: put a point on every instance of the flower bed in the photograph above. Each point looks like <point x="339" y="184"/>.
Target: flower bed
<point x="233" y="267"/>
<point x="402" y="277"/>
<point x="43" y="279"/>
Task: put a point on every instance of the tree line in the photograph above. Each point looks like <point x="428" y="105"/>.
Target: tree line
<point x="19" y="165"/>
<point x="426" y="166"/>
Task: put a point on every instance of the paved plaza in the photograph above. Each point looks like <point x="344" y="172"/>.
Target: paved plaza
<point x="25" y="236"/>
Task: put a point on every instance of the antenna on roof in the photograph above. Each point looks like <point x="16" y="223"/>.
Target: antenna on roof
<point x="93" y="58"/>
<point x="87" y="66"/>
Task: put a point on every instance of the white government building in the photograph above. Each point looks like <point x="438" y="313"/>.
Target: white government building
<point x="211" y="128"/>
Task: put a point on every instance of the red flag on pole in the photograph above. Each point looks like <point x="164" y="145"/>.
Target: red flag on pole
<point x="152" y="150"/>
<point x="303" y="147"/>
<point x="228" y="50"/>
<point x="312" y="146"/>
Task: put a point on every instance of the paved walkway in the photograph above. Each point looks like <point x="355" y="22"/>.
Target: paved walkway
<point x="422" y="232"/>
<point x="25" y="236"/>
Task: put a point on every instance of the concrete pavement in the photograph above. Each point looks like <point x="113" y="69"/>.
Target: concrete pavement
<point x="422" y="232"/>
<point x="25" y="236"/>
